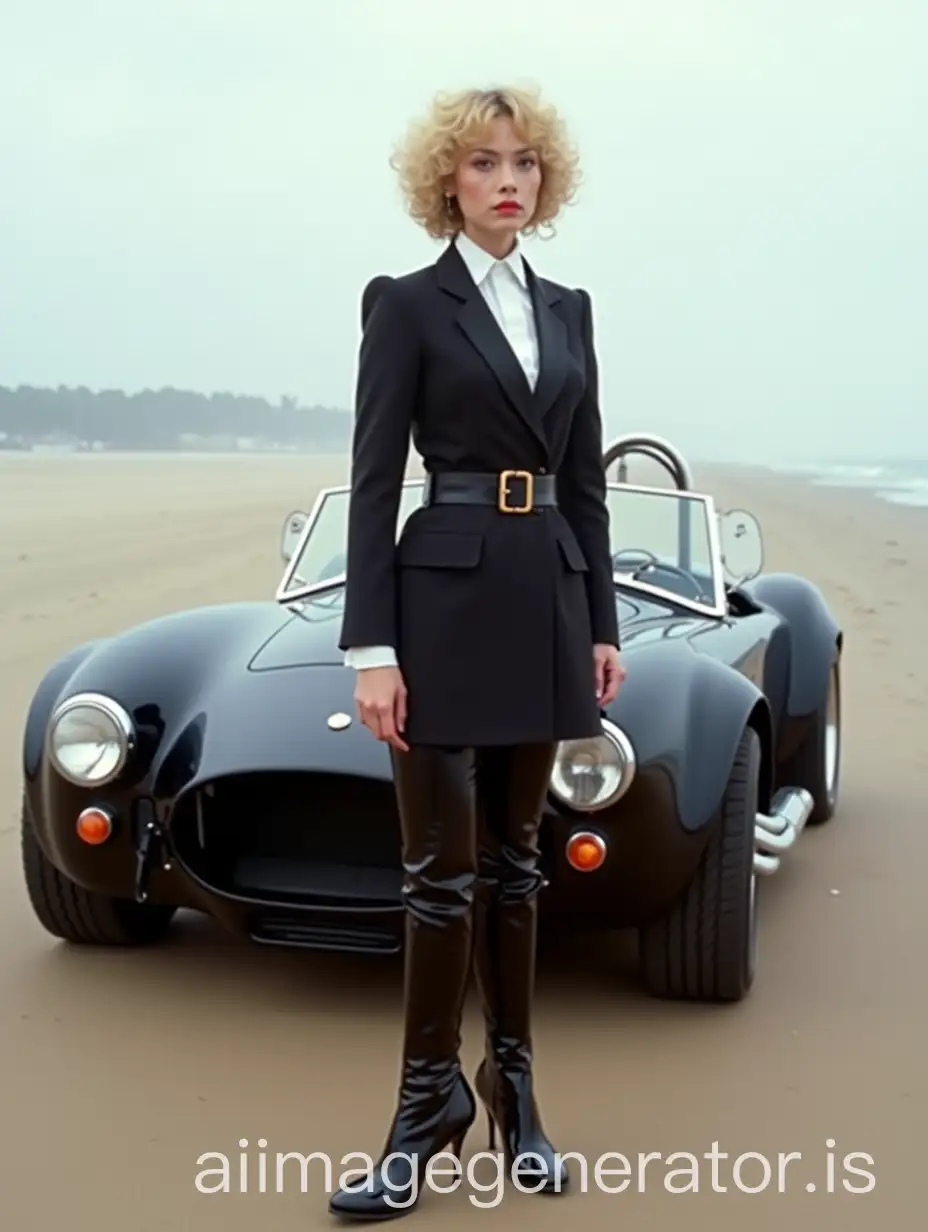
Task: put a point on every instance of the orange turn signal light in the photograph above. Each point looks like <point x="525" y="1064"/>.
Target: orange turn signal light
<point x="94" y="826"/>
<point x="585" y="851"/>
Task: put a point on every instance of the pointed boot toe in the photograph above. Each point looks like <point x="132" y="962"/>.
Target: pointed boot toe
<point x="383" y="1195"/>
<point x="424" y="1127"/>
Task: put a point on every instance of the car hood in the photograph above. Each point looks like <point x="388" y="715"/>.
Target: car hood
<point x="308" y="639"/>
<point x="201" y="688"/>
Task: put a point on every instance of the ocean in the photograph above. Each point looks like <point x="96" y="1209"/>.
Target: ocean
<point x="899" y="483"/>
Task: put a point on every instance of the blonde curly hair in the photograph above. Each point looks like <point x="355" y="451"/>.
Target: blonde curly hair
<point x="455" y="122"/>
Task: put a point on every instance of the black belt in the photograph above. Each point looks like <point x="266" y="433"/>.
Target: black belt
<point x="513" y="491"/>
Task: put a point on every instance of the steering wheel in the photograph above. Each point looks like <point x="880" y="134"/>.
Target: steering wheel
<point x="646" y="559"/>
<point x="643" y="560"/>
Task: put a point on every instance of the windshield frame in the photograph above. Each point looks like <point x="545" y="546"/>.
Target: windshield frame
<point x="717" y="608"/>
<point x="719" y="605"/>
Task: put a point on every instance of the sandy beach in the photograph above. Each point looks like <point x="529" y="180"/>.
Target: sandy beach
<point x="118" y="1070"/>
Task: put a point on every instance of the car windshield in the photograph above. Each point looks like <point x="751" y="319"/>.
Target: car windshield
<point x="666" y="540"/>
<point x="662" y="541"/>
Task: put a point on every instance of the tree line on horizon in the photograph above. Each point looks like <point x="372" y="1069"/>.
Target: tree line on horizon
<point x="161" y="419"/>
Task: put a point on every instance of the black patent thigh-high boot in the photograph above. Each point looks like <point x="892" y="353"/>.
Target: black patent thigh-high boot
<point x="511" y="785"/>
<point x="436" y="1106"/>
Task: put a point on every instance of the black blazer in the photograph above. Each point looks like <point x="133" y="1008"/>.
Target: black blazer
<point x="473" y="600"/>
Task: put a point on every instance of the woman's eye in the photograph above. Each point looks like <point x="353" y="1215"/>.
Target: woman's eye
<point x="484" y="164"/>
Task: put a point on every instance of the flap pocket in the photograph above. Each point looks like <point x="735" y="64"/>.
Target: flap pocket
<point x="437" y="549"/>
<point x="572" y="552"/>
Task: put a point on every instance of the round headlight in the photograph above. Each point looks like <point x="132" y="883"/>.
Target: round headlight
<point x="90" y="739"/>
<point x="594" y="773"/>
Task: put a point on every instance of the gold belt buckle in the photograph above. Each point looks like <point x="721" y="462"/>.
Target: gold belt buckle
<point x="505" y="478"/>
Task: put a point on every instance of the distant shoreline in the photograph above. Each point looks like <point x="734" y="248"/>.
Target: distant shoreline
<point x="894" y="483"/>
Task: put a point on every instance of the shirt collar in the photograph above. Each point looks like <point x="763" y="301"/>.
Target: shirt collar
<point x="481" y="264"/>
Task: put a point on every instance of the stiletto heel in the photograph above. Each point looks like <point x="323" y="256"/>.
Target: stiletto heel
<point x="491" y="1130"/>
<point x="457" y="1144"/>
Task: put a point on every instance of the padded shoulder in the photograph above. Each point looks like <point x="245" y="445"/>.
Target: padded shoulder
<point x="398" y="290"/>
<point x="377" y="286"/>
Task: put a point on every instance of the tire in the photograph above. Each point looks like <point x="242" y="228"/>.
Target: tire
<point x="816" y="764"/>
<point x="84" y="917"/>
<point x="704" y="948"/>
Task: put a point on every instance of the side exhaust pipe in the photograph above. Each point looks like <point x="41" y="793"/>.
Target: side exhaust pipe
<point x="777" y="831"/>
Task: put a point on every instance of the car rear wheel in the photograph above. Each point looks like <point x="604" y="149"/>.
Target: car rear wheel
<point x="816" y="764"/>
<point x="704" y="948"/>
<point x="84" y="917"/>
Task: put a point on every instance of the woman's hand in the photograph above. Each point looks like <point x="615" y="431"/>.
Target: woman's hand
<point x="380" y="694"/>
<point x="609" y="673"/>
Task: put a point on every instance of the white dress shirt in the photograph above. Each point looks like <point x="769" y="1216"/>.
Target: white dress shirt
<point x="504" y="286"/>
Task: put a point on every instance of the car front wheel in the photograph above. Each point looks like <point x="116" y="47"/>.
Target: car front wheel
<point x="704" y="948"/>
<point x="84" y="917"/>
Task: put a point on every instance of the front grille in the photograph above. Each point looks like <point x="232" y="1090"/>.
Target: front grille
<point x="319" y="880"/>
<point x="294" y="837"/>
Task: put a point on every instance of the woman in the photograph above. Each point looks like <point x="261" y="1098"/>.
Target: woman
<point x="489" y="632"/>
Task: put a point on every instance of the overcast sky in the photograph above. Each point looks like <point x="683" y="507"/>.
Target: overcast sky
<point x="194" y="192"/>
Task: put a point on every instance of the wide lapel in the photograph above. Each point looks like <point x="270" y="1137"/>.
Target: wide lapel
<point x="552" y="343"/>
<point x="481" y="328"/>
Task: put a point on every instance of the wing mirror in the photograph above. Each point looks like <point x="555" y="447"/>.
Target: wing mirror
<point x="294" y="524"/>
<point x="742" y="546"/>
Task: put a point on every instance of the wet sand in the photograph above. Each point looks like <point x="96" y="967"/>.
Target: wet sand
<point x="118" y="1070"/>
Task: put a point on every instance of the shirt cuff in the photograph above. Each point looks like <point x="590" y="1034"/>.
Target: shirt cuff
<point x="361" y="657"/>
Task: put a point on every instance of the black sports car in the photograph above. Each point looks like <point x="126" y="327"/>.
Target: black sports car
<point x="211" y="759"/>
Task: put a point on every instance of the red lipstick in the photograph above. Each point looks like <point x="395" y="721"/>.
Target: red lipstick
<point x="508" y="207"/>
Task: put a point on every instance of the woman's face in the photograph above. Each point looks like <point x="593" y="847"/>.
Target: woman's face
<point x="496" y="185"/>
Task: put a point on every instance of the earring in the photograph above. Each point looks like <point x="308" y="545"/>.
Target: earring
<point x="449" y="207"/>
